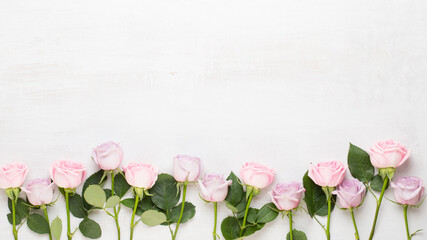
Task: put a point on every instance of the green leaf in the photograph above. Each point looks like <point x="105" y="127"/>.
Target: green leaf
<point x="267" y="213"/>
<point x="112" y="202"/>
<point x="107" y="193"/>
<point x="249" y="230"/>
<point x="189" y="212"/>
<point x="165" y="192"/>
<point x="120" y="185"/>
<point x="323" y="211"/>
<point x="146" y="204"/>
<point x="76" y="206"/>
<point x="37" y="223"/>
<point x="95" y="196"/>
<point x="94" y="179"/>
<point x="235" y="190"/>
<point x="296" y="235"/>
<point x="21" y="208"/>
<point x="231" y="207"/>
<point x="377" y="183"/>
<point x="230" y="228"/>
<point x="314" y="197"/>
<point x="56" y="228"/>
<point x="90" y="228"/>
<point x="252" y="215"/>
<point x="153" y="218"/>
<point x="359" y="164"/>
<point x="17" y="218"/>
<point x="130" y="202"/>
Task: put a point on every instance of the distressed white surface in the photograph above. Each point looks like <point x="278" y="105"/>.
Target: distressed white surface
<point x="281" y="82"/>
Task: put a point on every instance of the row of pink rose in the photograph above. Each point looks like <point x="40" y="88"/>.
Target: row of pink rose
<point x="286" y="196"/>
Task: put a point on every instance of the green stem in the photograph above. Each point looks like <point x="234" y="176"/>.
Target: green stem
<point x="328" y="232"/>
<point x="356" y="234"/>
<point x="184" y="192"/>
<point x="67" y="205"/>
<point x="371" y="236"/>
<point x="290" y="224"/>
<point x="47" y="219"/>
<point x="215" y="219"/>
<point x="116" y="213"/>
<point x="246" y="214"/>
<point x="132" y="224"/>
<point x="405" y="214"/>
<point x="15" y="233"/>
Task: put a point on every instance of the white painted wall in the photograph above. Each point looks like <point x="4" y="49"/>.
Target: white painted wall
<point x="281" y="82"/>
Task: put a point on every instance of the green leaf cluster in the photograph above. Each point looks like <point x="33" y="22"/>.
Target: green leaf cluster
<point x="236" y="202"/>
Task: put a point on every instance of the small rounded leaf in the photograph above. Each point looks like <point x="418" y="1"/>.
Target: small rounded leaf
<point x="153" y="218"/>
<point x="90" y="228"/>
<point x="296" y="235"/>
<point x="56" y="228"/>
<point x="95" y="196"/>
<point x="112" y="201"/>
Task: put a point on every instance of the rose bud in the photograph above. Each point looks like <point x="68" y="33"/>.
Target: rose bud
<point x="108" y="155"/>
<point x="186" y="168"/>
<point x="287" y="196"/>
<point x="214" y="188"/>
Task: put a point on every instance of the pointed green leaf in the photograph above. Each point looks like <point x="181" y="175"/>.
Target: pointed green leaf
<point x="18" y="219"/>
<point x="112" y="202"/>
<point x="359" y="164"/>
<point x="95" y="196"/>
<point x="165" y="192"/>
<point x="235" y="190"/>
<point x="377" y="183"/>
<point x="252" y="215"/>
<point x="267" y="213"/>
<point x="230" y="228"/>
<point x="90" y="228"/>
<point x="189" y="212"/>
<point x="21" y="208"/>
<point x="130" y="203"/>
<point x="314" y="197"/>
<point x="37" y="223"/>
<point x="251" y="229"/>
<point x="76" y="206"/>
<point x="56" y="228"/>
<point x="153" y="218"/>
<point x="120" y="185"/>
<point x="296" y="235"/>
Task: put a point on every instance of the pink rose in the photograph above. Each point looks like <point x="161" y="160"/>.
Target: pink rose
<point x="408" y="190"/>
<point x="12" y="175"/>
<point x="350" y="193"/>
<point x="39" y="191"/>
<point x="287" y="196"/>
<point x="67" y="174"/>
<point x="214" y="188"/>
<point x="388" y="154"/>
<point x="186" y="168"/>
<point x="140" y="175"/>
<point x="256" y="175"/>
<point x="327" y="174"/>
<point x="108" y="155"/>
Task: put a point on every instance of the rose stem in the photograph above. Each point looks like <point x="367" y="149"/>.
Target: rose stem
<point x="356" y="234"/>
<point x="116" y="213"/>
<point x="67" y="205"/>
<point x="246" y="214"/>
<point x="378" y="208"/>
<point x="328" y="233"/>
<point x="132" y="225"/>
<point x="290" y="224"/>
<point x="47" y="219"/>
<point x="15" y="233"/>
<point x="405" y="214"/>
<point x="215" y="219"/>
<point x="184" y="192"/>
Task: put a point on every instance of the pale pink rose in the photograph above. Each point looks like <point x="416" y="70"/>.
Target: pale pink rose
<point x="287" y="196"/>
<point x="12" y="175"/>
<point x="67" y="174"/>
<point x="108" y="155"/>
<point x="214" y="187"/>
<point x="39" y="191"/>
<point x="327" y="174"/>
<point x="140" y="175"/>
<point x="256" y="175"/>
<point x="408" y="190"/>
<point x="186" y="168"/>
<point x="388" y="154"/>
<point x="350" y="193"/>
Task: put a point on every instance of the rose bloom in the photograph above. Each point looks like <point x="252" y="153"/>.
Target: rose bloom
<point x="287" y="196"/>
<point x="140" y="175"/>
<point x="12" y="175"/>
<point x="256" y="175"/>
<point x="350" y="193"/>
<point x="388" y="154"/>
<point x="186" y="168"/>
<point x="327" y="174"/>
<point x="67" y="174"/>
<point x="408" y="190"/>
<point x="214" y="188"/>
<point x="39" y="191"/>
<point x="108" y="155"/>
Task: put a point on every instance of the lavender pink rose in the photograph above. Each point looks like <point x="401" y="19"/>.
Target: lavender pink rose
<point x="39" y="191"/>
<point x="214" y="187"/>
<point x="108" y="155"/>
<point x="408" y="190"/>
<point x="186" y="168"/>
<point x="350" y="193"/>
<point x="287" y="196"/>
